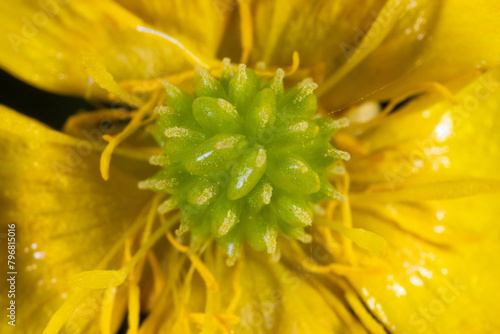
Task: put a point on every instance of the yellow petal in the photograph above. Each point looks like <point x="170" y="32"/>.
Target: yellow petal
<point x="441" y="284"/>
<point x="67" y="218"/>
<point x="409" y="188"/>
<point x="433" y="41"/>
<point x="201" y="22"/>
<point x="455" y="145"/>
<point x="317" y="30"/>
<point x="42" y="43"/>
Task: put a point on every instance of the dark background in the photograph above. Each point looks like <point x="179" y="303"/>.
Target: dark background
<point x="51" y="109"/>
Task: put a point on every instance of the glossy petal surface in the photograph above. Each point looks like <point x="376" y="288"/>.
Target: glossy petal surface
<point x="426" y="35"/>
<point x="52" y="192"/>
<point x="432" y="195"/>
<point x="43" y="44"/>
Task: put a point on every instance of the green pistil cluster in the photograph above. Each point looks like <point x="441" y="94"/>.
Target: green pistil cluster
<point x="244" y="160"/>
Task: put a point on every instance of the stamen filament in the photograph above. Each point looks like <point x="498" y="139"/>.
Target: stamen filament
<point x="210" y="282"/>
<point x="62" y="315"/>
<point x="142" y="86"/>
<point x="345" y="210"/>
<point x="131" y="127"/>
<point x="138" y="222"/>
<point x="236" y="290"/>
<point x="246" y="28"/>
<point x="108" y="303"/>
<point x="160" y="231"/>
<point x="177" y="245"/>
<point x="364" y="239"/>
<point x="174" y="41"/>
<point x="158" y="276"/>
<point x="288" y="70"/>
<point x="98" y="73"/>
<point x="133" y="308"/>
<point x="205" y="274"/>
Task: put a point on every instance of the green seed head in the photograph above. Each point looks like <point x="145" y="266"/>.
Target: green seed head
<point x="244" y="160"/>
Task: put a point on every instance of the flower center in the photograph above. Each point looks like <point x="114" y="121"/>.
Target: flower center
<point x="243" y="159"/>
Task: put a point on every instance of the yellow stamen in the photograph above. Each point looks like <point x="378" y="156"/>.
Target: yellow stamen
<point x="329" y="241"/>
<point x="295" y="64"/>
<point x="150" y="119"/>
<point x="141" y="86"/>
<point x="75" y="123"/>
<point x="288" y="71"/>
<point x="190" y="55"/>
<point x="160" y="231"/>
<point x="138" y="223"/>
<point x="331" y="208"/>
<point x="177" y="245"/>
<point x="107" y="310"/>
<point x="236" y="289"/>
<point x="345" y="209"/>
<point x="150" y="219"/>
<point x="67" y="309"/>
<point x="224" y="322"/>
<point x="158" y="276"/>
<point x="169" y="297"/>
<point x="185" y="296"/>
<point x="133" y="308"/>
<point x="133" y="293"/>
<point x="131" y="127"/>
<point x="145" y="236"/>
<point x="98" y="72"/>
<point x="364" y="239"/>
<point x="246" y="28"/>
<point x="98" y="279"/>
<point x="209" y="319"/>
<point x="206" y="275"/>
<point x="79" y="122"/>
<point x="127" y="253"/>
<point x="134" y="298"/>
<point x="204" y="272"/>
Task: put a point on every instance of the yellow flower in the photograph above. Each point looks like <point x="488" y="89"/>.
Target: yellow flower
<point x="411" y="249"/>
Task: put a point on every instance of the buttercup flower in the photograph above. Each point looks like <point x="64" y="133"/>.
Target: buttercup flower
<point x="253" y="167"/>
